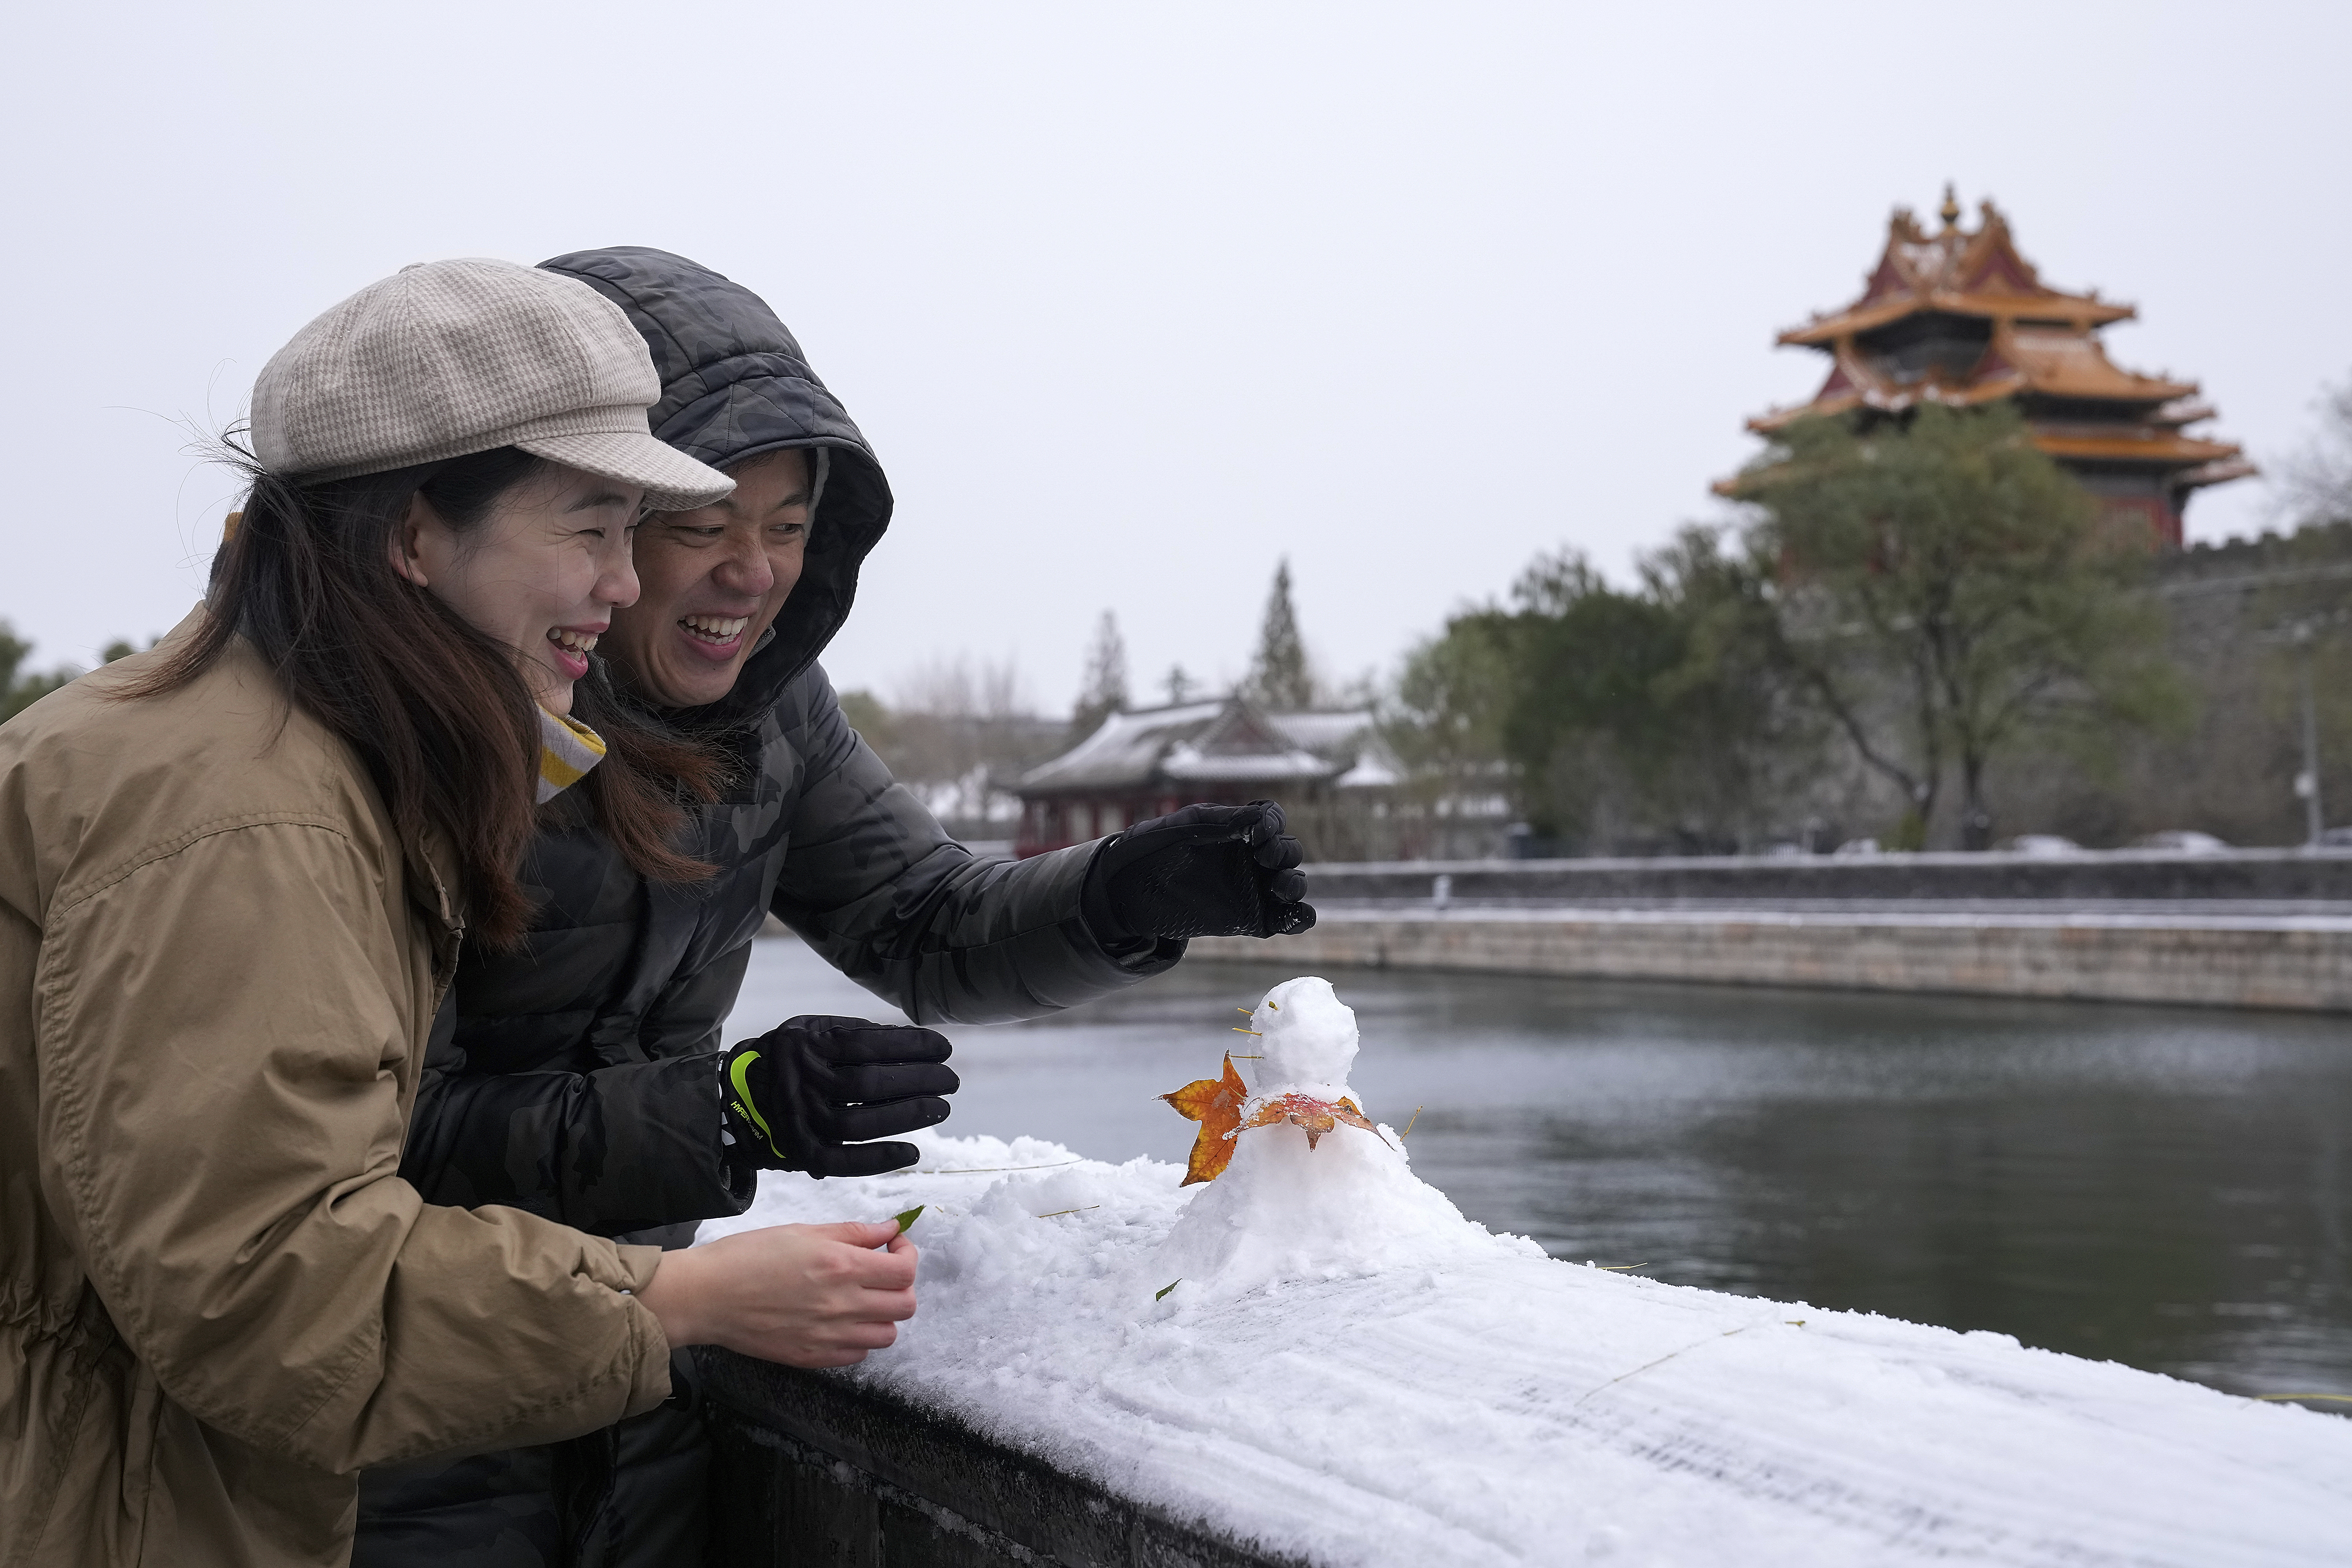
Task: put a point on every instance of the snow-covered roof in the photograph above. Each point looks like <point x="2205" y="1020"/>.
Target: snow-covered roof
<point x="1227" y="741"/>
<point x="1125" y="749"/>
<point x="1322" y="729"/>
<point x="1189" y="761"/>
<point x="1376" y="769"/>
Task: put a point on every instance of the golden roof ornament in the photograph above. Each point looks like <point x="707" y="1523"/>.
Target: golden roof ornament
<point x="1950" y="211"/>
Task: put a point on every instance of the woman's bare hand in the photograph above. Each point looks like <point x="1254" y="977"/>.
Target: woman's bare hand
<point x="805" y="1295"/>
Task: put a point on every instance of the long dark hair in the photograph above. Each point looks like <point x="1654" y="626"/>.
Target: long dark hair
<point x="437" y="710"/>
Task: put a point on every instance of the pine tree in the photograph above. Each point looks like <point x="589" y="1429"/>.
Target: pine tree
<point x="1104" y="691"/>
<point x="1279" y="676"/>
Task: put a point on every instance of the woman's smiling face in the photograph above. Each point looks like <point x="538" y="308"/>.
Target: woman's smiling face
<point x="541" y="574"/>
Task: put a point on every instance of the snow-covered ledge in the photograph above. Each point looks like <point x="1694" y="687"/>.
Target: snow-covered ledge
<point x="813" y="1467"/>
<point x="1348" y="1371"/>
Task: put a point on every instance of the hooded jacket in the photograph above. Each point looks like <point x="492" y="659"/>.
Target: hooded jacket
<point x="218" y="964"/>
<point x="579" y="1082"/>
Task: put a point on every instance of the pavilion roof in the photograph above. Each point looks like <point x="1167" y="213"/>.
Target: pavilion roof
<point x="2043" y="342"/>
<point x="2167" y="447"/>
<point x="1957" y="272"/>
<point x="1229" y="741"/>
<point x="1125" y="749"/>
<point x="2052" y="361"/>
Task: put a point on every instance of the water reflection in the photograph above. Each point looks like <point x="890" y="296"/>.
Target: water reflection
<point x="2164" y="1187"/>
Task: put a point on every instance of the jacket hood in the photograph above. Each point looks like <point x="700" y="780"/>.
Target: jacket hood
<point x="735" y="386"/>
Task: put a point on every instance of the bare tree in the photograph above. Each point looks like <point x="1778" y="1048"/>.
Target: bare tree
<point x="959" y="728"/>
<point x="961" y="688"/>
<point x="2316" y="484"/>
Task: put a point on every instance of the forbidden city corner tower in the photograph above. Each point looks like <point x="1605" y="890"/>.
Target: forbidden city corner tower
<point x="1958" y="317"/>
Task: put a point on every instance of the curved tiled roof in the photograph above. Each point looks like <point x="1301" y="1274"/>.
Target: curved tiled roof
<point x="2026" y="340"/>
<point x="1965" y="273"/>
<point x="1227" y="741"/>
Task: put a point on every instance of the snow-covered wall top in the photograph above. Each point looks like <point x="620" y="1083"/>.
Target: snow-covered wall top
<point x="1347" y="1371"/>
<point x="2125" y="875"/>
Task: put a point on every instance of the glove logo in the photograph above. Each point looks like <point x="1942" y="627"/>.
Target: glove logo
<point x="810" y="1093"/>
<point x="744" y="1106"/>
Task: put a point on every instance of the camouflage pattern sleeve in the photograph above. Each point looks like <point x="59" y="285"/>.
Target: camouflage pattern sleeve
<point x="542" y="1141"/>
<point x="875" y="884"/>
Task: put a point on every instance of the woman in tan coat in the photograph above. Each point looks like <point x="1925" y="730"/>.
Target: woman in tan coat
<point x="234" y="873"/>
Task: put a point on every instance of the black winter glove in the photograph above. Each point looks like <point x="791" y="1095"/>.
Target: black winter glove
<point x="1206" y="871"/>
<point x="798" y="1093"/>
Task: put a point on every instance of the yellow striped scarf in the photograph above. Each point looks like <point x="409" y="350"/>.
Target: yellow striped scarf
<point x="567" y="750"/>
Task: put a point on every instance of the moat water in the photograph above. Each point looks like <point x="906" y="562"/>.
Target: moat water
<point x="2170" y="1188"/>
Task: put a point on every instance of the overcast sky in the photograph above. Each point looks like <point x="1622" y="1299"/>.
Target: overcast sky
<point x="1133" y="301"/>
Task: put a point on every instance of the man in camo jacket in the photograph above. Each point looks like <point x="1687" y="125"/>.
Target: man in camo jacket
<point x="581" y="1076"/>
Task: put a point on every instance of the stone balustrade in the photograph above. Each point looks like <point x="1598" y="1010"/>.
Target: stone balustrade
<point x="2245" y="928"/>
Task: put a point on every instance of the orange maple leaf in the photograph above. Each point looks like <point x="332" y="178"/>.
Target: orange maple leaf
<point x="1315" y="1116"/>
<point x="1216" y="1105"/>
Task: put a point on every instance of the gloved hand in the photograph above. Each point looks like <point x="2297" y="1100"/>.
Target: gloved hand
<point x="800" y="1092"/>
<point x="1206" y="871"/>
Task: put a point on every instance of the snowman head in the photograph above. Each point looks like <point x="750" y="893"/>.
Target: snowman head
<point x="1307" y="1036"/>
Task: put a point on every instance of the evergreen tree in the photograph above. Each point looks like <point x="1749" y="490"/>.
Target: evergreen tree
<point x="21" y="687"/>
<point x="1279" y="676"/>
<point x="1943" y="591"/>
<point x="1623" y="730"/>
<point x="1104" y="691"/>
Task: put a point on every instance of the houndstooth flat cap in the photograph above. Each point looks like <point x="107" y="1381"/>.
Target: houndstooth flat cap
<point x="448" y="358"/>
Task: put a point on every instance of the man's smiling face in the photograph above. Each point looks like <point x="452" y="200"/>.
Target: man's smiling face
<point x="711" y="583"/>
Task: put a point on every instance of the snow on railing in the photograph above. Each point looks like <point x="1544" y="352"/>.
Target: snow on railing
<point x="1313" y="1357"/>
